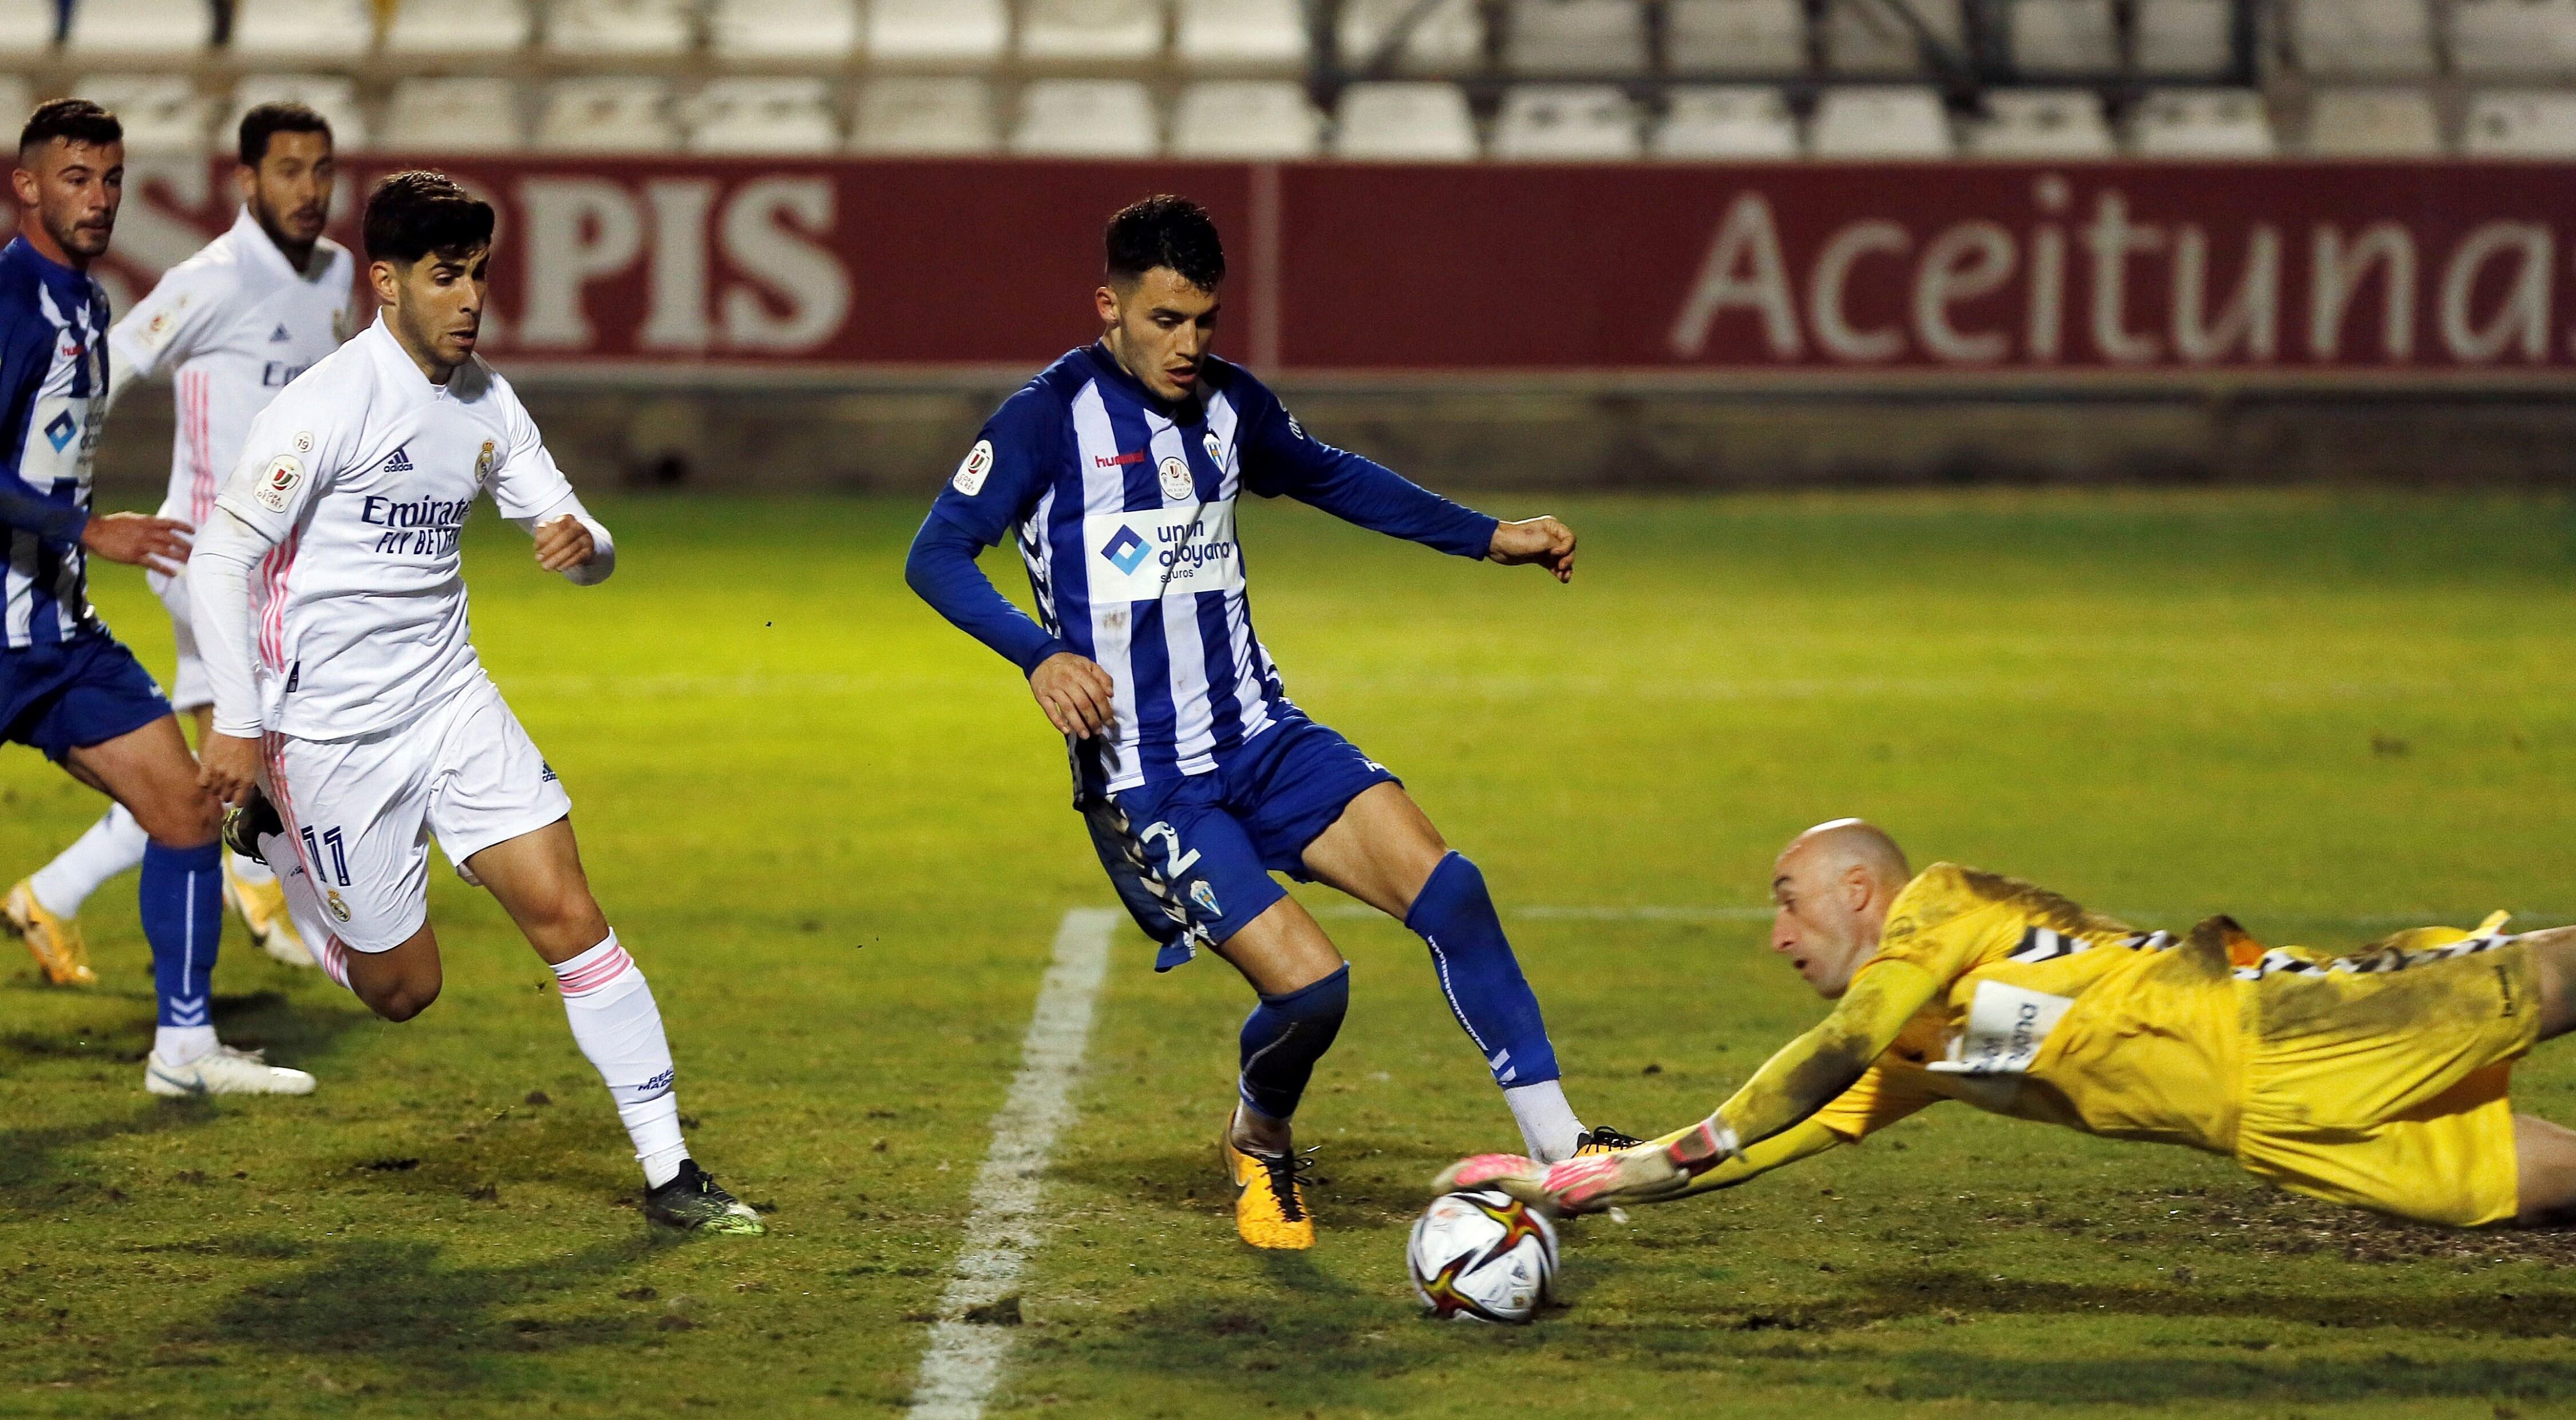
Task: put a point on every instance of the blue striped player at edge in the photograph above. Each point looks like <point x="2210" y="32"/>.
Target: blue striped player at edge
<point x="1117" y="470"/>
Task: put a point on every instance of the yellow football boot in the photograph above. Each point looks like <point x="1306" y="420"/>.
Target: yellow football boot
<point x="1269" y="1210"/>
<point x="55" y="942"/>
<point x="1604" y="1140"/>
<point x="262" y="907"/>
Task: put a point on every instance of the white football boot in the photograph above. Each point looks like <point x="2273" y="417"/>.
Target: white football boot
<point x="223" y="1071"/>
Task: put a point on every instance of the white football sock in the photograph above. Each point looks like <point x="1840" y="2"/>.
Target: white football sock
<point x="1548" y="1125"/>
<point x="111" y="846"/>
<point x="249" y="869"/>
<point x="304" y="909"/>
<point x="180" y="1044"/>
<point x="618" y="1027"/>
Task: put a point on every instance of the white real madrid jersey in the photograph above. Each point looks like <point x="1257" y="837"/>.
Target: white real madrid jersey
<point x="359" y="476"/>
<point x="234" y="324"/>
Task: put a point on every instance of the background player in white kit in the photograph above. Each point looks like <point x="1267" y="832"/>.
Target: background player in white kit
<point x="233" y="324"/>
<point x="347" y="690"/>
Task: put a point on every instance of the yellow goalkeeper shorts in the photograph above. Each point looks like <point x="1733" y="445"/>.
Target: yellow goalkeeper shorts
<point x="2380" y="1080"/>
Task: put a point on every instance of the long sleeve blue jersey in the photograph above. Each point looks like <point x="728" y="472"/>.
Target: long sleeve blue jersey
<point x="1124" y="508"/>
<point x="53" y="393"/>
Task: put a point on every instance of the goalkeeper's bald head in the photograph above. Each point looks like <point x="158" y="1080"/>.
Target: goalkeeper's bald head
<point x="1833" y="884"/>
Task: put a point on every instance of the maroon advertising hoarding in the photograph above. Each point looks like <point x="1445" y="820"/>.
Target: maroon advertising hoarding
<point x="2121" y="269"/>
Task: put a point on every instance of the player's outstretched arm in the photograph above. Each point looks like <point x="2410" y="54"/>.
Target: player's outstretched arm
<point x="1807" y="1073"/>
<point x="1541" y="540"/>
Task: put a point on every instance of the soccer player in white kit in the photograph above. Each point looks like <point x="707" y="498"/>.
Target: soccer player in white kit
<point x="330" y="612"/>
<point x="233" y="324"/>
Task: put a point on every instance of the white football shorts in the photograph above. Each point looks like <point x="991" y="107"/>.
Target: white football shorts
<point x="189" y="689"/>
<point x="362" y="810"/>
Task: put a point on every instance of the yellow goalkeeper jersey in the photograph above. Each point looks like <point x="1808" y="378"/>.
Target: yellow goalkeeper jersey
<point x="2048" y="1012"/>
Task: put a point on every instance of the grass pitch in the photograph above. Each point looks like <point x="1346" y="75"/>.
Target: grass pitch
<point x="835" y="834"/>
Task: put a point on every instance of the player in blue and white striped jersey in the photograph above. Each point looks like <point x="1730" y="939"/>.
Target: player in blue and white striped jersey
<point x="1118" y="470"/>
<point x="67" y="687"/>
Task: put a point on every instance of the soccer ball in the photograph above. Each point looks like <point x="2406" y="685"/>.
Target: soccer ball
<point x="1478" y="1255"/>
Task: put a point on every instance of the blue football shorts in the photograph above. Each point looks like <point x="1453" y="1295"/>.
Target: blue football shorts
<point x="1192" y="857"/>
<point x="73" y="694"/>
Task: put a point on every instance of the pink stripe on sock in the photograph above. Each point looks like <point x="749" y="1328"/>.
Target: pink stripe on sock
<point x="597" y="974"/>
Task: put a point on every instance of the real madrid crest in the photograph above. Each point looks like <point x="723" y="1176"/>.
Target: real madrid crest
<point x="1176" y="479"/>
<point x="483" y="462"/>
<point x="339" y="909"/>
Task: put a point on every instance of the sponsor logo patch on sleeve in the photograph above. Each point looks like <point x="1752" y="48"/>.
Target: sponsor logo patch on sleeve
<point x="977" y="467"/>
<point x="278" y="480"/>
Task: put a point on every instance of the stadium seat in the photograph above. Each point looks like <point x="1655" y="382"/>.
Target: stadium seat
<point x="27" y="29"/>
<point x="1719" y="121"/>
<point x="330" y="95"/>
<point x="1863" y="37"/>
<point x="1734" y="37"/>
<point x="606" y="115"/>
<point x="1566" y="122"/>
<point x="822" y="31"/>
<point x="924" y="117"/>
<point x="453" y="116"/>
<point x="618" y="27"/>
<point x="136" y="29"/>
<point x="936" y="31"/>
<point x="16" y="94"/>
<point x="1575" y="37"/>
<point x="2183" y="36"/>
<point x="309" y="30"/>
<point x="2535" y="123"/>
<point x="2041" y="123"/>
<point x="763" y="115"/>
<point x="1447" y="39"/>
<point x="1890" y="122"/>
<point x="1247" y="119"/>
<point x="1086" y="118"/>
<point x="2064" y="37"/>
<point x="2373" y="123"/>
<point x="1240" y="34"/>
<point x="432" y="29"/>
<point x="1405" y="122"/>
<point x="1091" y="31"/>
<point x="2513" y="36"/>
<point x="2363" y="36"/>
<point x="163" y="114"/>
<point x="2201" y="123"/>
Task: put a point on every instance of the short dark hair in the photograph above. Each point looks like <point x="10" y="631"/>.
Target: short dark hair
<point x="268" y="120"/>
<point x="1164" y="230"/>
<point x="410" y="215"/>
<point x="73" y="121"/>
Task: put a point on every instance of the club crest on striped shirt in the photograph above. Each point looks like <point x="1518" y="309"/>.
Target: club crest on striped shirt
<point x="1176" y="479"/>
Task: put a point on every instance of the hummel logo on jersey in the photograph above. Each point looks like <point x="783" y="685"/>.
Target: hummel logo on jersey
<point x="1126" y="552"/>
<point x="1106" y="461"/>
<point x="279" y="335"/>
<point x="399" y="461"/>
<point x="59" y="432"/>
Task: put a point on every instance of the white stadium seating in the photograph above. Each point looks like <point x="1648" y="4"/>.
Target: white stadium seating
<point x="1865" y="37"/>
<point x="2062" y="36"/>
<point x="1566" y="122"/>
<point x="1446" y="39"/>
<point x="2528" y="38"/>
<point x="2526" y="124"/>
<point x="1246" y="119"/>
<point x="2043" y="124"/>
<point x="1576" y="37"/>
<point x="329" y="95"/>
<point x="26" y="28"/>
<point x="2391" y="37"/>
<point x="2183" y="36"/>
<point x="1240" y="34"/>
<point x="437" y="29"/>
<point x="1091" y="30"/>
<point x="1422" y="122"/>
<point x="1717" y="121"/>
<point x="1735" y="37"/>
<point x="2373" y="123"/>
<point x="309" y="31"/>
<point x="2201" y="123"/>
<point x="763" y="116"/>
<point x="16" y="95"/>
<point x="957" y="32"/>
<point x="818" y="30"/>
<point x="163" y="114"/>
<point x="622" y="28"/>
<point x="1086" y="118"/>
<point x="923" y="117"/>
<point x="1889" y="122"/>
<point x="606" y="115"/>
<point x="453" y="116"/>
<point x="138" y="29"/>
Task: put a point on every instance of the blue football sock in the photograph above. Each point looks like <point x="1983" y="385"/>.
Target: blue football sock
<point x="182" y="900"/>
<point x="1283" y="1038"/>
<point x="1479" y="974"/>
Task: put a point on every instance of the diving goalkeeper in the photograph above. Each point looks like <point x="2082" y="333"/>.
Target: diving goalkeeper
<point x="2376" y="1079"/>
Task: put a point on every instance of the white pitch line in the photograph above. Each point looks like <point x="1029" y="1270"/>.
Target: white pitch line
<point x="965" y="1358"/>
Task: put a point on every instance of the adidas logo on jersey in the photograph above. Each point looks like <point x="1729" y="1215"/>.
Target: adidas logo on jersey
<point x="399" y="461"/>
<point x="279" y="335"/>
